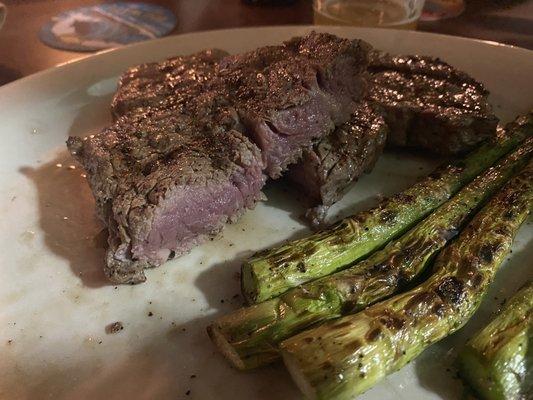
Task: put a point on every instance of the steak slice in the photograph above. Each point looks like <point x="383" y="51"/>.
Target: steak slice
<point x="162" y="184"/>
<point x="288" y="96"/>
<point x="327" y="169"/>
<point x="430" y="105"/>
<point x="178" y="162"/>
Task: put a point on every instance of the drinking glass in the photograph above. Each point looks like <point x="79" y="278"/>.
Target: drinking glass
<point x="400" y="14"/>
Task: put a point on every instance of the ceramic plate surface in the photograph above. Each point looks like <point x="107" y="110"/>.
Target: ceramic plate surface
<point x="55" y="303"/>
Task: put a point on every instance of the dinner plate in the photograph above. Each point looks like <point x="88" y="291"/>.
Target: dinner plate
<point x="55" y="303"/>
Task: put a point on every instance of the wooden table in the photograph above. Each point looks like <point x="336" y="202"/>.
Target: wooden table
<point x="22" y="53"/>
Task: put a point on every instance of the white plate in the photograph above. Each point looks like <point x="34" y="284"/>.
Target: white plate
<point x="55" y="303"/>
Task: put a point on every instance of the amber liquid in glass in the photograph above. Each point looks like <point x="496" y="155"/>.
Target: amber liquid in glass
<point x="382" y="13"/>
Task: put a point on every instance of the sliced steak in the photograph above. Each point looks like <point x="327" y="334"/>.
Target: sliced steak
<point x="163" y="184"/>
<point x="282" y="97"/>
<point x="417" y="102"/>
<point x="430" y="105"/>
<point x="178" y="162"/>
<point x="288" y="96"/>
<point x="327" y="169"/>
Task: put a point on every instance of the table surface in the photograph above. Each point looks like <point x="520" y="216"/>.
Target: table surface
<point x="22" y="53"/>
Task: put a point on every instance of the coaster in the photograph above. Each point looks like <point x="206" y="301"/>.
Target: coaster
<point x="107" y="25"/>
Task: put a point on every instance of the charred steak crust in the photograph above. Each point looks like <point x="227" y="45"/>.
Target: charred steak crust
<point x="178" y="162"/>
<point x="422" y="65"/>
<point x="178" y="79"/>
<point x="430" y="105"/>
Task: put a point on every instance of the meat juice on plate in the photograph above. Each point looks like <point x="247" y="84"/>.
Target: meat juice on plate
<point x="399" y="14"/>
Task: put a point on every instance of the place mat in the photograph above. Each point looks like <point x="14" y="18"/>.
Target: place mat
<point x="107" y="25"/>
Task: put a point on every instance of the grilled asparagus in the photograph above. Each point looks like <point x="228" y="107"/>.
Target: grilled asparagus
<point x="346" y="357"/>
<point x="250" y="336"/>
<point x="274" y="271"/>
<point x="498" y="361"/>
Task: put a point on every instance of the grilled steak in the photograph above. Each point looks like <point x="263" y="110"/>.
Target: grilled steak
<point x="162" y="184"/>
<point x="430" y="105"/>
<point x="282" y="97"/>
<point x="288" y="96"/>
<point x="178" y="162"/>
<point x="426" y="104"/>
<point x="328" y="168"/>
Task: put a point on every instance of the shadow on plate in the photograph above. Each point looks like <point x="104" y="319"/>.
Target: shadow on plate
<point x="66" y="205"/>
<point x="281" y="196"/>
<point x="229" y="272"/>
<point x="67" y="217"/>
<point x="436" y="371"/>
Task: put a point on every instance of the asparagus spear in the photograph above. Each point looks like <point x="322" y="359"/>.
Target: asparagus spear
<point x="249" y="337"/>
<point x="498" y="361"/>
<point x="346" y="357"/>
<point x="274" y="271"/>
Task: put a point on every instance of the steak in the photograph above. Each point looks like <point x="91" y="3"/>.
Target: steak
<point x="430" y="105"/>
<point x="163" y="184"/>
<point x="282" y="97"/>
<point x="327" y="169"/>
<point x="288" y="96"/>
<point x="416" y="102"/>
<point x="194" y="137"/>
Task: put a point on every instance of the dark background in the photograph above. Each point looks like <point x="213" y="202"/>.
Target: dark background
<point x="22" y="53"/>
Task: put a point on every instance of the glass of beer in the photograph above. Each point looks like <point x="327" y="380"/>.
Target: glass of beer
<point x="399" y="14"/>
